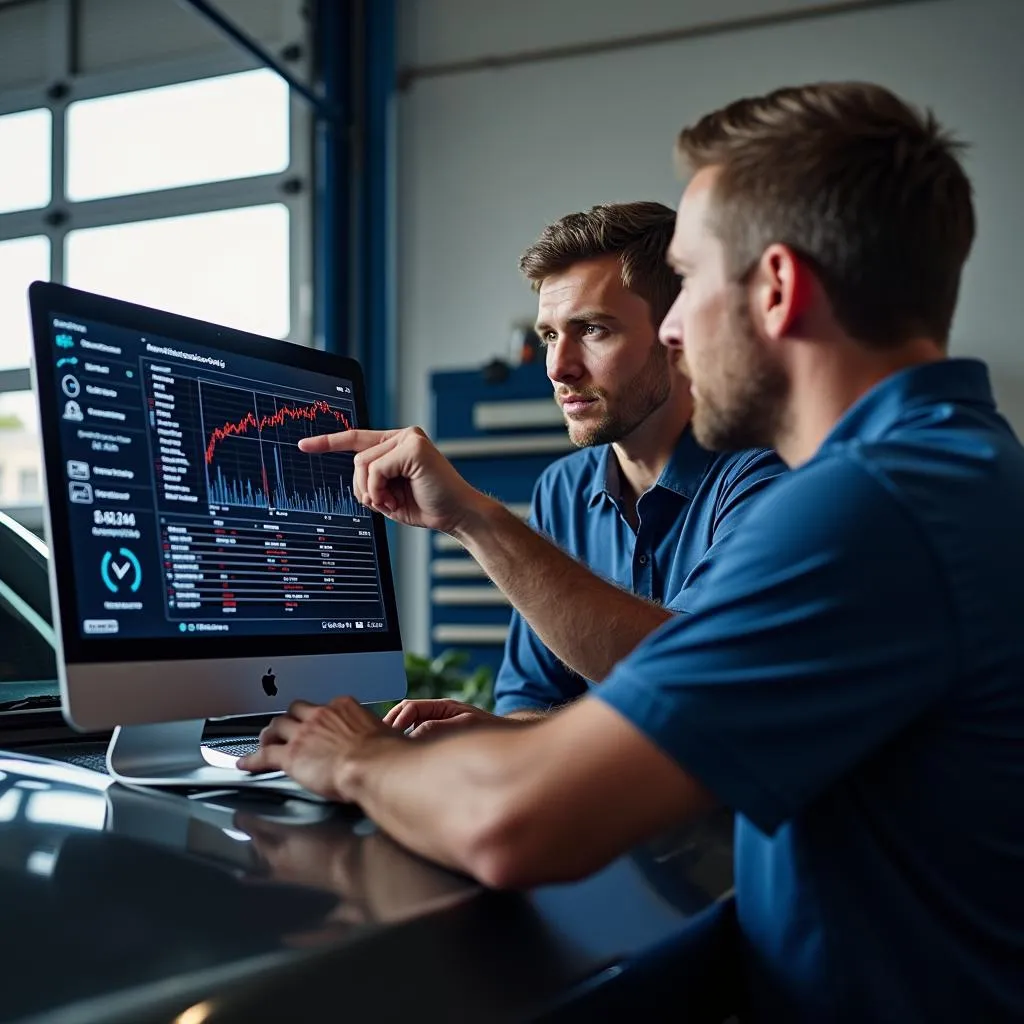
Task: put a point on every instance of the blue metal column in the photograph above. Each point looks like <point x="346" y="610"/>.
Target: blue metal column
<point x="355" y="216"/>
<point x="374" y="178"/>
<point x="332" y="155"/>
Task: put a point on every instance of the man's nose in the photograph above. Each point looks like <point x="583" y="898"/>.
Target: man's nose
<point x="563" y="362"/>
<point x="670" y="334"/>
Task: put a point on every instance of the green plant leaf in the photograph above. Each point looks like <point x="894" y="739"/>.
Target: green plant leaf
<point x="447" y="676"/>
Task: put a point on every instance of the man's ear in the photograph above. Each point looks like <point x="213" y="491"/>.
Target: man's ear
<point x="781" y="291"/>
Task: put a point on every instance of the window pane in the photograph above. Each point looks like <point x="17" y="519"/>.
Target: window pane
<point x="24" y="160"/>
<point x="20" y="458"/>
<point x="230" y="267"/>
<point x="28" y="485"/>
<point x="211" y="130"/>
<point x="22" y="261"/>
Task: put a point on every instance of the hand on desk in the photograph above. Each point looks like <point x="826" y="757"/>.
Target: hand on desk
<point x="427" y="717"/>
<point x="314" y="743"/>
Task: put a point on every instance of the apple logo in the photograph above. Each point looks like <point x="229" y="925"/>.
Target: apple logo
<point x="269" y="682"/>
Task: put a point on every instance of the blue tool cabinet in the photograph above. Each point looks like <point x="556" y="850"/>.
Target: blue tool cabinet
<point x="500" y="434"/>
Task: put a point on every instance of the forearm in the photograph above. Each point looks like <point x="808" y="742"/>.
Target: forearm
<point x="539" y="714"/>
<point x="529" y="715"/>
<point x="508" y="807"/>
<point x="436" y="797"/>
<point x="586" y="622"/>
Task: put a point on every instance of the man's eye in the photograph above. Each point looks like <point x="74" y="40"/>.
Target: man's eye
<point x="593" y="329"/>
<point x="548" y="338"/>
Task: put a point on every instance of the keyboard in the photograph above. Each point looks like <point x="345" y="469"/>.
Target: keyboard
<point x="96" y="760"/>
<point x="238" y="746"/>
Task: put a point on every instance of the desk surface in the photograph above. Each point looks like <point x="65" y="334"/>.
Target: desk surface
<point x="130" y="905"/>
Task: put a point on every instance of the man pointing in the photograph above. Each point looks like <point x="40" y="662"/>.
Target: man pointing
<point x="850" y="678"/>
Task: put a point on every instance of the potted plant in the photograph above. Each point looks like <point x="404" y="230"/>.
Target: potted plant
<point x="448" y="675"/>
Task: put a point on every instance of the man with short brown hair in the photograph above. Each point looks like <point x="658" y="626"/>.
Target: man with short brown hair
<point x="850" y="680"/>
<point x="641" y="504"/>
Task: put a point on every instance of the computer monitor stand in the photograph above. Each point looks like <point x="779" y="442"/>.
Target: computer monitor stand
<point x="172" y="754"/>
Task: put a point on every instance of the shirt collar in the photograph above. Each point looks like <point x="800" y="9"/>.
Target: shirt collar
<point x="683" y="473"/>
<point x="606" y="478"/>
<point x="947" y="380"/>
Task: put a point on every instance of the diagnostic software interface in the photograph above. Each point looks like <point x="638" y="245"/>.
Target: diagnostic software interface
<point x="190" y="506"/>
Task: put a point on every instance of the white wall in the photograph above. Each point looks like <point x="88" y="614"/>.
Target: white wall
<point x="440" y="31"/>
<point x="488" y="157"/>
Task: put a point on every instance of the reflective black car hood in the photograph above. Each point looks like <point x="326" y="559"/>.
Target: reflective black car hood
<point x="106" y="888"/>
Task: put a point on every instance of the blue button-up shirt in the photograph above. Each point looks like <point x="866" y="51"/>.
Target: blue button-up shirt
<point x="850" y="680"/>
<point x="684" y="519"/>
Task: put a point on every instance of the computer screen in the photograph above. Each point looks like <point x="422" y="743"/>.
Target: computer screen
<point x="185" y="522"/>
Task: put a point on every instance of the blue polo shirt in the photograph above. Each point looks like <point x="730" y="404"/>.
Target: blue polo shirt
<point x="684" y="518"/>
<point x="851" y="681"/>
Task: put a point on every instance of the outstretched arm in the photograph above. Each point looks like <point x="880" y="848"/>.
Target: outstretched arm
<point x="588" y="623"/>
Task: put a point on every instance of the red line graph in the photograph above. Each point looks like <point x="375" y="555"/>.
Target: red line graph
<point x="251" y="422"/>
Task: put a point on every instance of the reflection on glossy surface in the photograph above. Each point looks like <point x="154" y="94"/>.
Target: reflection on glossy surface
<point x="111" y="891"/>
<point x="25" y="767"/>
<point x="125" y="887"/>
<point x="292" y="843"/>
<point x="71" y="810"/>
<point x="41" y="862"/>
<point x="375" y="879"/>
<point x="194" y="1014"/>
<point x="10" y="804"/>
<point x="691" y="866"/>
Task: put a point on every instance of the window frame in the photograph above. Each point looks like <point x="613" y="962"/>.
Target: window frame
<point x="292" y="186"/>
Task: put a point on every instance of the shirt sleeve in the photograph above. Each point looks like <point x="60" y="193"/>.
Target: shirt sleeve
<point x="745" y="480"/>
<point x="531" y="678"/>
<point x="825" y="629"/>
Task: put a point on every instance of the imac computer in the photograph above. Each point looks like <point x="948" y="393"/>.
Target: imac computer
<point x="201" y="565"/>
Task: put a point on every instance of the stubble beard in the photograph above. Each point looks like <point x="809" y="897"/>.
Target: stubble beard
<point x="643" y="395"/>
<point x="748" y="405"/>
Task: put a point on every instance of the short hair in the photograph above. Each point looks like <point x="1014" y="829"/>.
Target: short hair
<point x="866" y="189"/>
<point x="638" y="233"/>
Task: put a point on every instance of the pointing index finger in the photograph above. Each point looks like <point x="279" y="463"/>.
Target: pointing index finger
<point x="345" y="441"/>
